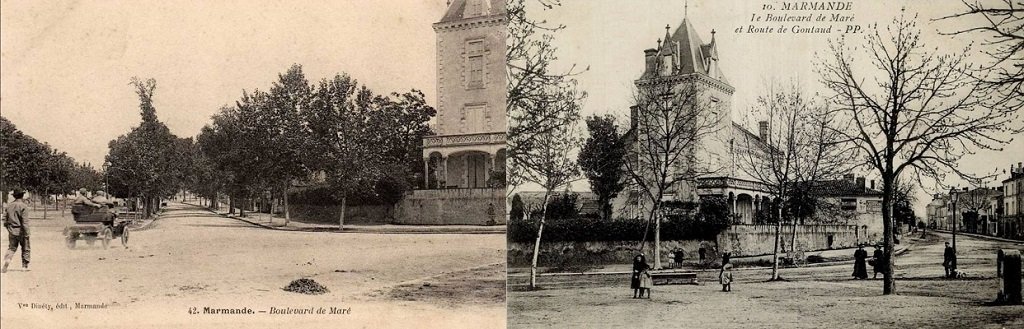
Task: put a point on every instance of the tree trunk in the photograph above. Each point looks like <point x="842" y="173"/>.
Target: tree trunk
<point x="231" y="205"/>
<point x="341" y="218"/>
<point x="778" y="239"/>
<point x="889" y="287"/>
<point x="43" y="198"/>
<point x="657" y="235"/>
<point x="792" y="239"/>
<point x="287" y="215"/>
<point x="536" y="244"/>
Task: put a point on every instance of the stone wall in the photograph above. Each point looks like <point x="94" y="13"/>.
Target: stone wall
<point x="603" y="252"/>
<point x="452" y="207"/>
<point x="753" y="240"/>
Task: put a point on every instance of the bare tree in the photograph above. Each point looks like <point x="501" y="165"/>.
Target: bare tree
<point x="910" y="110"/>
<point x="797" y="149"/>
<point x="672" y="121"/>
<point x="534" y="87"/>
<point x="1002" y="25"/>
<point x="550" y="166"/>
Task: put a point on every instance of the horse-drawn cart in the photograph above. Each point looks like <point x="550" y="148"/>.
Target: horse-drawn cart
<point x="93" y="224"/>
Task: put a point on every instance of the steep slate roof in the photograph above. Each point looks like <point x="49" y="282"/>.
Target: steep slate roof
<point x="692" y="55"/>
<point x="457" y="9"/>
<point x="842" y="188"/>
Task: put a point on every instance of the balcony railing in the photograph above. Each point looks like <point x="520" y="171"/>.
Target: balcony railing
<point x="468" y="139"/>
<point x="712" y="182"/>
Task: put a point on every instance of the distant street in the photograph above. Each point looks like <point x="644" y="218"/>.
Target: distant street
<point x="193" y="258"/>
<point x="815" y="297"/>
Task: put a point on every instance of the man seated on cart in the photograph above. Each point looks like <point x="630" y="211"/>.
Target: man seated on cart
<point x="102" y="200"/>
<point x="81" y="199"/>
<point x="83" y="211"/>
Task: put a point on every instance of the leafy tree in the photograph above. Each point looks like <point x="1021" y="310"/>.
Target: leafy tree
<point x="602" y="159"/>
<point x="144" y="162"/>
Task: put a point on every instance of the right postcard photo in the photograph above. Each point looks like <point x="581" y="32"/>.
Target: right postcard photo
<point x="765" y="164"/>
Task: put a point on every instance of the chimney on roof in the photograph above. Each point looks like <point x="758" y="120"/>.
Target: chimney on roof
<point x="860" y="182"/>
<point x="633" y="117"/>
<point x="762" y="130"/>
<point x="650" y="55"/>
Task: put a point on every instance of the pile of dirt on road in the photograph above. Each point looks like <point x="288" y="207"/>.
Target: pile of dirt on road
<point x="306" y="286"/>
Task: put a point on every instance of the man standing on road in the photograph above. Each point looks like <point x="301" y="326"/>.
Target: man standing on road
<point x="949" y="261"/>
<point x="16" y="222"/>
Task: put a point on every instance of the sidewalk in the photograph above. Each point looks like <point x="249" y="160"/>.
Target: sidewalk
<point x="976" y="236"/>
<point x="831" y="257"/>
<point x="259" y="219"/>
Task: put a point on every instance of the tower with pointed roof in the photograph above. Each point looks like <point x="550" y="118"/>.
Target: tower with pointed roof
<point x="679" y="61"/>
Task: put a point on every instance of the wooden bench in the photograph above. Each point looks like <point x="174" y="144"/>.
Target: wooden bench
<point x="673" y="277"/>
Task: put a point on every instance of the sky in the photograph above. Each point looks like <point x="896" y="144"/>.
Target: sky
<point x="609" y="37"/>
<point x="65" y="65"/>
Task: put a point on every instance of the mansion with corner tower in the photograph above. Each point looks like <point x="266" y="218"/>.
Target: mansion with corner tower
<point x="682" y="60"/>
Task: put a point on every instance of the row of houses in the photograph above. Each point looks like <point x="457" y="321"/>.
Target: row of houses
<point x="994" y="211"/>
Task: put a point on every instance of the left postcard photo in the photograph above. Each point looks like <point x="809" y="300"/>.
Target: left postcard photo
<point x="253" y="164"/>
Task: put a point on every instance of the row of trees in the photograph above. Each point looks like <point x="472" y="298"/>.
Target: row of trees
<point x="336" y="133"/>
<point x="34" y="166"/>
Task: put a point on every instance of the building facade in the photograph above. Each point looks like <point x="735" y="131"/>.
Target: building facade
<point x="937" y="211"/>
<point x="1011" y="221"/>
<point x="682" y="62"/>
<point x="468" y="150"/>
<point x="464" y="161"/>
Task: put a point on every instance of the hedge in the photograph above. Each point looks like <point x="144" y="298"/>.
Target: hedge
<point x="584" y="229"/>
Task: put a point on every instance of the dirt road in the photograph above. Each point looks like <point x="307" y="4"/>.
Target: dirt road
<point x="815" y="297"/>
<point x="190" y="259"/>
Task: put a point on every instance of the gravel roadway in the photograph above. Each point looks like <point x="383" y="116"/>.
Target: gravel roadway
<point x="814" y="297"/>
<point x="190" y="259"/>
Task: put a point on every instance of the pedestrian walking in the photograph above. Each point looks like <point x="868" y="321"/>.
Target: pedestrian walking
<point x="702" y="253"/>
<point x="15" y="220"/>
<point x="949" y="261"/>
<point x="725" y="277"/>
<point x="639" y="267"/>
<point x="860" y="269"/>
<point x="879" y="262"/>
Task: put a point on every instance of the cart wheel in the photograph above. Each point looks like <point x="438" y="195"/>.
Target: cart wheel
<point x="106" y="235"/>
<point x="124" y="237"/>
<point x="71" y="239"/>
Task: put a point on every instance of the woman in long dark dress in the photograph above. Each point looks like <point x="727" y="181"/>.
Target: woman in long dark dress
<point x="639" y="266"/>
<point x="860" y="267"/>
<point x="879" y="258"/>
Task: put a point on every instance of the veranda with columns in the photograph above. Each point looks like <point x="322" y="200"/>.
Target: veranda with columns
<point x="463" y="161"/>
<point x="745" y="198"/>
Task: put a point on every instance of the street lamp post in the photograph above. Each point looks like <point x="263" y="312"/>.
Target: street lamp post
<point x="953" y="198"/>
